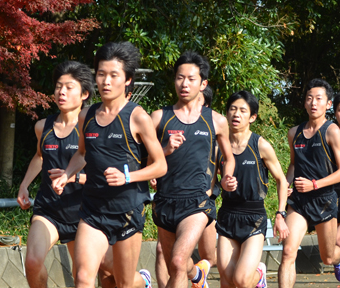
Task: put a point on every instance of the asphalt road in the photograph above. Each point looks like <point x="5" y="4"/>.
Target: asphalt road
<point x="326" y="280"/>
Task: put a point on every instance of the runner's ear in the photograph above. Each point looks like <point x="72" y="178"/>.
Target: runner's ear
<point x="252" y="118"/>
<point x="203" y="85"/>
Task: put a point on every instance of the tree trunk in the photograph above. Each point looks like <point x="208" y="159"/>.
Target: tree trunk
<point x="7" y="131"/>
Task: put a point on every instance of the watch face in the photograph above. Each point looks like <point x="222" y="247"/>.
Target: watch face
<point x="283" y="213"/>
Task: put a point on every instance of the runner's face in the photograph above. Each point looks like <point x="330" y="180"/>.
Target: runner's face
<point x="67" y="93"/>
<point x="238" y="115"/>
<point x="317" y="102"/>
<point x="110" y="79"/>
<point x="337" y="114"/>
<point x="188" y="82"/>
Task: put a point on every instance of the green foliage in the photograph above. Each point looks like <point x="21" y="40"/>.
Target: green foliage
<point x="150" y="229"/>
<point x="15" y="221"/>
<point x="242" y="40"/>
<point x="245" y="64"/>
<point x="269" y="47"/>
<point x="311" y="51"/>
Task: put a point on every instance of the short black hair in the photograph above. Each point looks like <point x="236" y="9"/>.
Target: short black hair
<point x="336" y="101"/>
<point x="190" y="57"/>
<point x="320" y="83"/>
<point x="208" y="95"/>
<point x="80" y="72"/>
<point x="251" y="100"/>
<point x="124" y="52"/>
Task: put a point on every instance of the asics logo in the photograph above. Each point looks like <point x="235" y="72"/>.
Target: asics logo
<point x="112" y="135"/>
<point x="246" y="162"/>
<point x="69" y="146"/>
<point x="203" y="133"/>
<point x="256" y="232"/>
<point x="128" y="231"/>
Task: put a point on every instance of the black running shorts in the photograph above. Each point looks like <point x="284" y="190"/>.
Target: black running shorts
<point x="117" y="227"/>
<point x="67" y="232"/>
<point x="240" y="226"/>
<point x="314" y="208"/>
<point x="167" y="213"/>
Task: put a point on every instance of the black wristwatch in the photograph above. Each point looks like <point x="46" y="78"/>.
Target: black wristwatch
<point x="283" y="213"/>
<point x="77" y="178"/>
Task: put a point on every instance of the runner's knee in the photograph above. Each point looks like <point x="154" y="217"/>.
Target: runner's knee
<point x="243" y="279"/>
<point x="327" y="260"/>
<point x="84" y="277"/>
<point x="289" y="253"/>
<point x="178" y="265"/>
<point x="34" y="262"/>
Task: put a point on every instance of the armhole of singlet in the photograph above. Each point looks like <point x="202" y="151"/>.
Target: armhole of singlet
<point x="125" y="135"/>
<point x="323" y="141"/>
<point x="257" y="162"/>
<point x="49" y="119"/>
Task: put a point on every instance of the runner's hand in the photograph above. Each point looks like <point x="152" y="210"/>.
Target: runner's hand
<point x="153" y="183"/>
<point x="56" y="173"/>
<point x="23" y="199"/>
<point x="280" y="228"/>
<point x="59" y="183"/>
<point x="289" y="190"/>
<point x="229" y="183"/>
<point x="175" y="141"/>
<point x="303" y="184"/>
<point x="114" y="177"/>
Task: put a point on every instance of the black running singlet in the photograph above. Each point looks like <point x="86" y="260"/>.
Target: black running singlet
<point x="111" y="146"/>
<point x="314" y="159"/>
<point x="250" y="172"/>
<point x="56" y="153"/>
<point x="189" y="170"/>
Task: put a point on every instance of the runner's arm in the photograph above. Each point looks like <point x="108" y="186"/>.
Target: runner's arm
<point x="33" y="169"/>
<point x="290" y="170"/>
<point x="228" y="182"/>
<point x="272" y="163"/>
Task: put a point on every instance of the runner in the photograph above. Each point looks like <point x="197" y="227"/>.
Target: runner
<point x="182" y="207"/>
<point x="242" y="218"/>
<point x="56" y="217"/>
<point x="314" y="158"/>
<point x="112" y="210"/>
<point x="336" y="109"/>
<point x="207" y="242"/>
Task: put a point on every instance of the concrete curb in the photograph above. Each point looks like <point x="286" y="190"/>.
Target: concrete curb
<point x="58" y="263"/>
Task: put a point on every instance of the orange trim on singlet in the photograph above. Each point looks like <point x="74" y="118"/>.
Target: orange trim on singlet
<point x="165" y="126"/>
<point x="324" y="148"/>
<point x="42" y="142"/>
<point x="75" y="128"/>
<point x="258" y="167"/>
<point x="210" y="140"/>
<point x="127" y="142"/>
<point x="88" y="122"/>
<point x="297" y="137"/>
